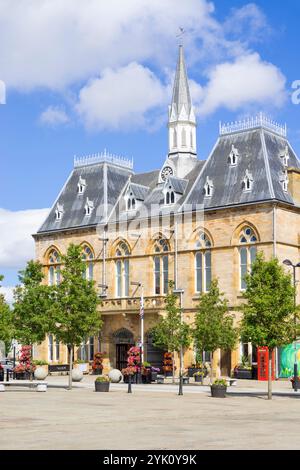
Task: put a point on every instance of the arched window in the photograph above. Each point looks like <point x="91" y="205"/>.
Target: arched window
<point x="131" y="202"/>
<point x="169" y="196"/>
<point x="54" y="268"/>
<point x="122" y="270"/>
<point x="247" y="253"/>
<point x="88" y="257"/>
<point x="203" y="264"/>
<point x="161" y="266"/>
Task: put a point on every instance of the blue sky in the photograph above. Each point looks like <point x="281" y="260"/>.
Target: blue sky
<point x="83" y="77"/>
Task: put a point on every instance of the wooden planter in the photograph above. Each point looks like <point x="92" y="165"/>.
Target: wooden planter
<point x="102" y="386"/>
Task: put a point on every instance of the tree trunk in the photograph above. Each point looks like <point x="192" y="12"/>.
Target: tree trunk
<point x="173" y="367"/>
<point x="31" y="365"/>
<point x="211" y="369"/>
<point x="70" y="352"/>
<point x="202" y="377"/>
<point x="270" y="374"/>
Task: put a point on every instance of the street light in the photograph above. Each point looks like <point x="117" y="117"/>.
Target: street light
<point x="180" y="292"/>
<point x="287" y="262"/>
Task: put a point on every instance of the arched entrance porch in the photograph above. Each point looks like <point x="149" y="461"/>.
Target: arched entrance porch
<point x="123" y="340"/>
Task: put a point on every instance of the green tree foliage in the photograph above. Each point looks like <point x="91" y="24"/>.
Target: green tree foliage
<point x="269" y="314"/>
<point x="74" y="310"/>
<point x="170" y="332"/>
<point x="32" y="300"/>
<point x="6" y="330"/>
<point x="213" y="327"/>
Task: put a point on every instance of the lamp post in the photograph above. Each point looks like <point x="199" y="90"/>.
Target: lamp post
<point x="180" y="292"/>
<point x="287" y="262"/>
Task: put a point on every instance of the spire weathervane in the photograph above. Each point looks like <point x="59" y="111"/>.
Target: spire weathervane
<point x="180" y="35"/>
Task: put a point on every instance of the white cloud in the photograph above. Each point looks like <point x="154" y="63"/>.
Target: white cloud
<point x="57" y="43"/>
<point x="246" y="81"/>
<point x="116" y="56"/>
<point x="16" y="242"/>
<point x="53" y="116"/>
<point x="121" y="98"/>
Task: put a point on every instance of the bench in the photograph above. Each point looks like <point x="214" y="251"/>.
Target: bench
<point x="40" y="386"/>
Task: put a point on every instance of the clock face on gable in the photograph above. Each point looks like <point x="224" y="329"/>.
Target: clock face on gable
<point x="166" y="172"/>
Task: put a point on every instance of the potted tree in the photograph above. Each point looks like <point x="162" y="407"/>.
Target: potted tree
<point x="213" y="324"/>
<point x="102" y="383"/>
<point x="219" y="388"/>
<point x="269" y="313"/>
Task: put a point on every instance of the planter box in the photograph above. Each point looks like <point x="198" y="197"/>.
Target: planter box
<point x="22" y="376"/>
<point x="218" y="391"/>
<point x="102" y="386"/>
<point x="168" y="374"/>
<point x="244" y="374"/>
<point x="97" y="371"/>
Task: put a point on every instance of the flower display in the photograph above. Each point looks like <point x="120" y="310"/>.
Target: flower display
<point x="25" y="362"/>
<point x="98" y="361"/>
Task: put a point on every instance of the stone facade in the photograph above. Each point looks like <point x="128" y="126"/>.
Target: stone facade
<point x="122" y="240"/>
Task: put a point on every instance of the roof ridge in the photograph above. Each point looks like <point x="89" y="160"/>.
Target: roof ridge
<point x="267" y="163"/>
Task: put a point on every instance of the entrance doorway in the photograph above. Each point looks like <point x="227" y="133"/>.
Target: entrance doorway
<point x="124" y="341"/>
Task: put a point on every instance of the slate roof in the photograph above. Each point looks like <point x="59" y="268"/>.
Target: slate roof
<point x="259" y="153"/>
<point x="96" y="191"/>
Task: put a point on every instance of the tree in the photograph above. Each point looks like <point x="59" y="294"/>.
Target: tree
<point x="170" y="332"/>
<point x="269" y="313"/>
<point x="213" y="327"/>
<point x="31" y="308"/>
<point x="6" y="329"/>
<point x="74" y="310"/>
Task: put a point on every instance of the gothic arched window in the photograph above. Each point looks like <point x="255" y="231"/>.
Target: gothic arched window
<point x="161" y="266"/>
<point x="203" y="263"/>
<point x="88" y="257"/>
<point x="247" y="253"/>
<point x="54" y="261"/>
<point x="122" y="270"/>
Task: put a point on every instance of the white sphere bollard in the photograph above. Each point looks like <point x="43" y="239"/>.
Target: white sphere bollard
<point x="77" y="375"/>
<point x="40" y="373"/>
<point x="115" y="376"/>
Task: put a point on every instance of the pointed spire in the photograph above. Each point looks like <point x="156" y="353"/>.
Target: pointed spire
<point x="181" y="91"/>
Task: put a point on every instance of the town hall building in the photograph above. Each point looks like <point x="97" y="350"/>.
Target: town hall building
<point x="190" y="221"/>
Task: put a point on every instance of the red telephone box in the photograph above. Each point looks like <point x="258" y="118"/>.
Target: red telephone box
<point x="263" y="364"/>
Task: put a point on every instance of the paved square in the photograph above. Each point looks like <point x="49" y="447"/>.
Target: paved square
<point x="148" y="419"/>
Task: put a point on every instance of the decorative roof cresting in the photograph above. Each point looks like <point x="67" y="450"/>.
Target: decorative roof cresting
<point x="103" y="157"/>
<point x="261" y="120"/>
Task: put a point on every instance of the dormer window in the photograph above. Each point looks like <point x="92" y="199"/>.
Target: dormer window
<point x="59" y="211"/>
<point x="89" y="207"/>
<point x="233" y="156"/>
<point x="285" y="157"/>
<point x="248" y="181"/>
<point x="208" y="187"/>
<point x="284" y="180"/>
<point x="131" y="202"/>
<point x="81" y="185"/>
<point x="169" y="196"/>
